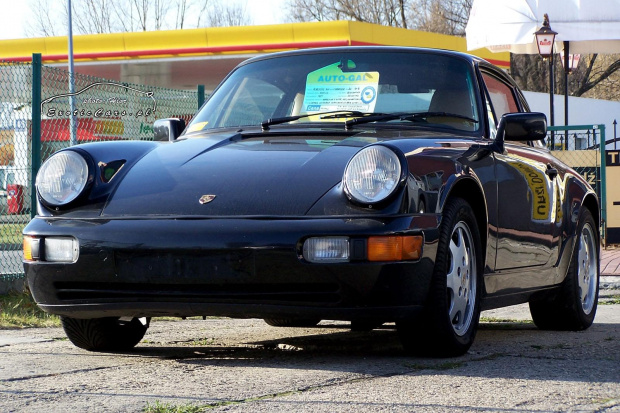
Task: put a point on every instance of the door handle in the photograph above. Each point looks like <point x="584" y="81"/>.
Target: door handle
<point x="551" y="171"/>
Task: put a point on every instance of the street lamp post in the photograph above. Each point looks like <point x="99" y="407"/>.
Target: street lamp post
<point x="569" y="63"/>
<point x="545" y="38"/>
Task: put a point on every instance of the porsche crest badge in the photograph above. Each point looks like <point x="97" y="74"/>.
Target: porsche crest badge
<point x="205" y="199"/>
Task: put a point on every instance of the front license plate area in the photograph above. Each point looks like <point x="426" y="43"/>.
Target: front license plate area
<point x="212" y="266"/>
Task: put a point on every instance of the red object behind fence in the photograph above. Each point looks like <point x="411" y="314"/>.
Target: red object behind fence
<point x="15" y="198"/>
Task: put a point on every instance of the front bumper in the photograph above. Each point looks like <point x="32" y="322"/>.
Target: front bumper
<point x="236" y="267"/>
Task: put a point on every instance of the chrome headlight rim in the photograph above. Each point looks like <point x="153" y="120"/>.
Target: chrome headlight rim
<point x="397" y="156"/>
<point x="81" y="157"/>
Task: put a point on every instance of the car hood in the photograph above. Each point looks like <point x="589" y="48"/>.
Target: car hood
<point x="262" y="174"/>
<point x="238" y="175"/>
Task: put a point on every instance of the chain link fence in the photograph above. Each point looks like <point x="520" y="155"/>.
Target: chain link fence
<point x="41" y="113"/>
<point x="15" y="143"/>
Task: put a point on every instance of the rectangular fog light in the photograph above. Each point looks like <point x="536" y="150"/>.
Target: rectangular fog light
<point x="326" y="249"/>
<point x="61" y="249"/>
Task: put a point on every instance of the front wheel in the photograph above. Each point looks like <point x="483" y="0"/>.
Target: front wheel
<point x="105" y="334"/>
<point x="573" y="306"/>
<point x="448" y="324"/>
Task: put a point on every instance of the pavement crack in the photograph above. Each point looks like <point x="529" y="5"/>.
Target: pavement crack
<point x="38" y="376"/>
<point x="409" y="368"/>
<point x="269" y="396"/>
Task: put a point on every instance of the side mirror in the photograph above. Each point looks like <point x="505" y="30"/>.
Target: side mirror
<point x="168" y="130"/>
<point x="528" y="126"/>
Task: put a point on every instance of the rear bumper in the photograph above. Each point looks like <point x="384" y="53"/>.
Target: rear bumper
<point x="237" y="267"/>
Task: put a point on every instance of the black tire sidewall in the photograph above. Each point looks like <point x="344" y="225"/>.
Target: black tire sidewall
<point x="571" y="286"/>
<point x="104" y="334"/>
<point x="433" y="334"/>
<point x="457" y="210"/>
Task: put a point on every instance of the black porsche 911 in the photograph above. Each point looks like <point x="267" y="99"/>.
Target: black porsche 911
<point x="365" y="184"/>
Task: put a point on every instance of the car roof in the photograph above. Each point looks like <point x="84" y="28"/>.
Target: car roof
<point x="368" y="49"/>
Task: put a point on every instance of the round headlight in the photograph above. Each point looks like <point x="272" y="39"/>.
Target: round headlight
<point x="62" y="178"/>
<point x="372" y="174"/>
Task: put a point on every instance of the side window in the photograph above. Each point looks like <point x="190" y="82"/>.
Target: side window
<point x="502" y="97"/>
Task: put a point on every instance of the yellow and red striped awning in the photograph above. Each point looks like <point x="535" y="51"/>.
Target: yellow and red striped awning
<point x="221" y="41"/>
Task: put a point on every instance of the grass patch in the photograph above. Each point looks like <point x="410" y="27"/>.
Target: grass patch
<point x="202" y="342"/>
<point x="11" y="233"/>
<point x="19" y="310"/>
<point x="614" y="299"/>
<point x="159" y="407"/>
<point x="504" y="320"/>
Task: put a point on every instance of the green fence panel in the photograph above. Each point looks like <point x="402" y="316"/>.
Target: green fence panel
<point x="15" y="172"/>
<point x="579" y="146"/>
<point x="38" y="117"/>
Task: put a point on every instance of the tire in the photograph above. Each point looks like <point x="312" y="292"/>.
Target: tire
<point x="447" y="326"/>
<point x="573" y="306"/>
<point x="104" y="334"/>
<point x="292" y="322"/>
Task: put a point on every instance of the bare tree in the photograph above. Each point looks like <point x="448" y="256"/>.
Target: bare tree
<point x="92" y="17"/>
<point x="183" y="6"/>
<point x="386" y="12"/>
<point x="600" y="78"/>
<point x="112" y="16"/>
<point x="45" y="21"/>
<point x="443" y="16"/>
<point x="596" y="77"/>
<point x="231" y="14"/>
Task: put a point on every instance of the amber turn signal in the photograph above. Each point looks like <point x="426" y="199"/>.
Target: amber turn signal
<point x="395" y="248"/>
<point x="28" y="248"/>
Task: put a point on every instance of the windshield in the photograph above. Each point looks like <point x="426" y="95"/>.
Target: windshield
<point x="306" y="87"/>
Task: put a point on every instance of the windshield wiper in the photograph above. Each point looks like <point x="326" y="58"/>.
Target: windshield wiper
<point x="335" y="114"/>
<point x="408" y="116"/>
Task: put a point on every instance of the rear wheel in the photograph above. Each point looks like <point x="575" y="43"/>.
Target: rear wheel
<point x="448" y="324"/>
<point x="573" y="306"/>
<point x="105" y="334"/>
<point x="292" y="322"/>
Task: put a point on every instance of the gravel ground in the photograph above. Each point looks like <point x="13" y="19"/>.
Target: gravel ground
<point x="247" y="366"/>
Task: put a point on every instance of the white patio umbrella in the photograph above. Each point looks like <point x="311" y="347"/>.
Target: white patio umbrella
<point x="583" y="26"/>
<point x="591" y="26"/>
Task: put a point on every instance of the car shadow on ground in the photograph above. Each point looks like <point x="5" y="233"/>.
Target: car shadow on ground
<point x="501" y="350"/>
<point x="498" y="338"/>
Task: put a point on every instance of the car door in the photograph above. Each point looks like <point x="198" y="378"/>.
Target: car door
<point x="527" y="198"/>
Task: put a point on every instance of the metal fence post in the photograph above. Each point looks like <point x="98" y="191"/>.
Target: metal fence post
<point x="603" y="184"/>
<point x="36" y="129"/>
<point x="201" y="95"/>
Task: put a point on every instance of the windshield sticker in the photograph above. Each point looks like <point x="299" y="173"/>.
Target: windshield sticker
<point x="330" y="89"/>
